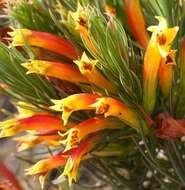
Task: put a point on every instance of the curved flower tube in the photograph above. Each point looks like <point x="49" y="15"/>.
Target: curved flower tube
<point x="73" y="103"/>
<point x="112" y="107"/>
<point x="136" y="22"/>
<point x="166" y="72"/>
<point x="44" y="40"/>
<point x="36" y="122"/>
<point x="158" y="47"/>
<point x="83" y="129"/>
<point x="88" y="69"/>
<point x="55" y="69"/>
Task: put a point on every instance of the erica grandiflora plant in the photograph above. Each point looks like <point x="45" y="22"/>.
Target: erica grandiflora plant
<point x="101" y="83"/>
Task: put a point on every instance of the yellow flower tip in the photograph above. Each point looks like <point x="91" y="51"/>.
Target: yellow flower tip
<point x="19" y="36"/>
<point x="63" y="106"/>
<point x="72" y="138"/>
<point x="162" y="22"/>
<point x="160" y="27"/>
<point x="66" y="114"/>
<point x="25" y="109"/>
<point x="39" y="167"/>
<point x="71" y="170"/>
<point x="85" y="64"/>
<point x="162" y="35"/>
<point x="101" y="106"/>
<point x="57" y="105"/>
<point x="36" y="66"/>
<point x="8" y="128"/>
<point x="8" y="123"/>
<point x="42" y="179"/>
<point x="80" y="18"/>
<point x="7" y="133"/>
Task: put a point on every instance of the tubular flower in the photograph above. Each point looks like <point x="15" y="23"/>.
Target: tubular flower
<point x="44" y="40"/>
<point x="136" y="22"/>
<point x="81" y="21"/>
<point x="171" y="128"/>
<point x="73" y="103"/>
<point x="158" y="47"/>
<point x="54" y="69"/>
<point x="112" y="107"/>
<point x="83" y="129"/>
<point x="70" y="159"/>
<point x="35" y="122"/>
<point x="42" y="167"/>
<point x="88" y="68"/>
<point x="78" y="154"/>
<point x="30" y="141"/>
<point x="166" y="72"/>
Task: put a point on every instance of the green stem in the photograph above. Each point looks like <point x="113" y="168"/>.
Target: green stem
<point x="174" y="163"/>
<point x="155" y="165"/>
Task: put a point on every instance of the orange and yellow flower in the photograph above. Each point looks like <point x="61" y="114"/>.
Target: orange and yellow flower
<point x="158" y="48"/>
<point x="79" y="153"/>
<point x="42" y="167"/>
<point x="112" y="107"/>
<point x="70" y="160"/>
<point x="44" y="40"/>
<point x="88" y="68"/>
<point x="83" y="129"/>
<point x="54" y="69"/>
<point x="81" y="22"/>
<point x="36" y="122"/>
<point x="31" y="140"/>
<point x="136" y="22"/>
<point x="73" y="103"/>
<point x="162" y="35"/>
